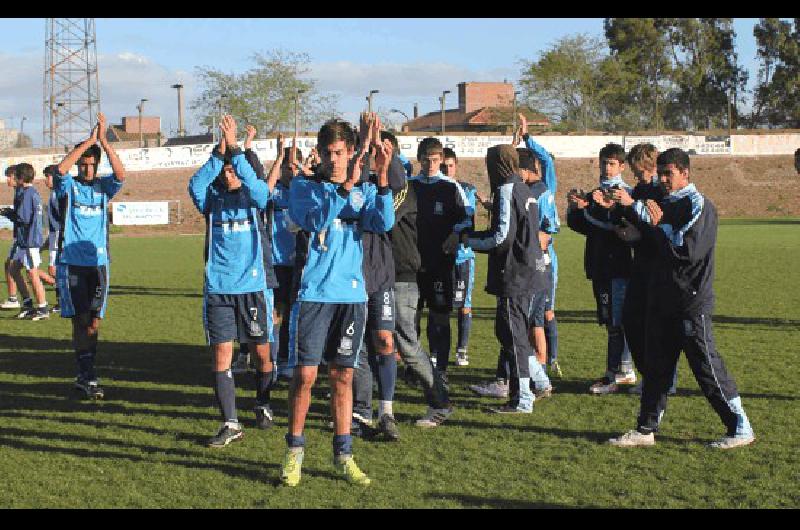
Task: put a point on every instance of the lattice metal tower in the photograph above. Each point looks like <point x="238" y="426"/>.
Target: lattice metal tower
<point x="71" y="92"/>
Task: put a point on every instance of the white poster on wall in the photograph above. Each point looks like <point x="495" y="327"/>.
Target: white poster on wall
<point x="140" y="213"/>
<point x="5" y="224"/>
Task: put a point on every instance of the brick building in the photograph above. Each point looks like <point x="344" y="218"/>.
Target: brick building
<point x="482" y="107"/>
<point x="128" y="131"/>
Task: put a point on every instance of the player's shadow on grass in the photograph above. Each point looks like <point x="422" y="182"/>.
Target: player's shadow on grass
<point x="140" y="290"/>
<point x="473" y="501"/>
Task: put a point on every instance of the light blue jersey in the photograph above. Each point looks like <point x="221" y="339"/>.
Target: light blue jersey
<point x="549" y="179"/>
<point x="283" y="238"/>
<point x="464" y="252"/>
<point x="85" y="229"/>
<point x="333" y="221"/>
<point x="234" y="255"/>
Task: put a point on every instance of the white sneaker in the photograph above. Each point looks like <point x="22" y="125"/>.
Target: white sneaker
<point x="462" y="359"/>
<point x="433" y="361"/>
<point x="497" y="389"/>
<point x="242" y="364"/>
<point x="633" y="439"/>
<point x="601" y="387"/>
<point x="628" y="378"/>
<point x="10" y="304"/>
<point x="730" y="442"/>
<point x="434" y="417"/>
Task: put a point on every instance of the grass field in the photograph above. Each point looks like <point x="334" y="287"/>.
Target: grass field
<point x="141" y="447"/>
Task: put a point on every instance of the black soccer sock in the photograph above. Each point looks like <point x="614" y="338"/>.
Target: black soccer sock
<point x="225" y="390"/>
<point x="387" y="376"/>
<point x="551" y="336"/>
<point x="464" y="327"/>
<point x="263" y="387"/>
<point x="439" y="338"/>
<point x="244" y="348"/>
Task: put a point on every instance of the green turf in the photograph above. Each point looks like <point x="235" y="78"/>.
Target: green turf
<point x="141" y="447"/>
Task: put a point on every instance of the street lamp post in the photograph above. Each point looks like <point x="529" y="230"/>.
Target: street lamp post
<point x="369" y="100"/>
<point x="404" y="115"/>
<point x="297" y="110"/>
<point x="442" y="101"/>
<point x="181" y="130"/>
<point x="514" y="114"/>
<point x="140" y="108"/>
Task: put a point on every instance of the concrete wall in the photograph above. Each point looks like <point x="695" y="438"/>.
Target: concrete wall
<point x="465" y="146"/>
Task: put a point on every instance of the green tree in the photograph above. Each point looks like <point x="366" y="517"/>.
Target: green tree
<point x="565" y="83"/>
<point x="265" y="94"/>
<point x="777" y="95"/>
<point x="640" y="69"/>
<point x="705" y="71"/>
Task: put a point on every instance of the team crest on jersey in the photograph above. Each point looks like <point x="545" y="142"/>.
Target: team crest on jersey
<point x="387" y="312"/>
<point x="357" y="199"/>
<point x="438" y="208"/>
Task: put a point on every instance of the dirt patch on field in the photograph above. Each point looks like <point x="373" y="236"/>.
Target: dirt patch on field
<point x="764" y="186"/>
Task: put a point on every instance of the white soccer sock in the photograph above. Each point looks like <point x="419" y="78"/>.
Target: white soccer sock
<point x="385" y="407"/>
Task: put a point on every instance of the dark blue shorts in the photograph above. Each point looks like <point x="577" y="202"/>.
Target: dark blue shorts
<point x="463" y="283"/>
<point x="283" y="293"/>
<point x="380" y="311"/>
<point x="329" y="330"/>
<point x="244" y="317"/>
<point x="82" y="290"/>
<point x="539" y="303"/>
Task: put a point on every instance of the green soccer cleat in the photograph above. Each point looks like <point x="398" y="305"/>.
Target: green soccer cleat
<point x="290" y="471"/>
<point x="348" y="469"/>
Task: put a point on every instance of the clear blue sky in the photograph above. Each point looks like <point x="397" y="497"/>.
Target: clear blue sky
<point x="408" y="60"/>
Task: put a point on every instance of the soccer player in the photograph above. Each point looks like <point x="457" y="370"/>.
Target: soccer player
<point x="237" y="303"/>
<point x="680" y="307"/>
<point x="464" y="271"/>
<point x="378" y="350"/>
<point x="607" y="261"/>
<point x="55" y="212"/>
<point x="642" y="161"/>
<point x="12" y="302"/>
<point x="28" y="238"/>
<point x="242" y="362"/>
<point x="83" y="259"/>
<point x="442" y="209"/>
<point x="283" y="253"/>
<point x="530" y="174"/>
<point x="547" y="174"/>
<point x="328" y="320"/>
<point x="517" y="268"/>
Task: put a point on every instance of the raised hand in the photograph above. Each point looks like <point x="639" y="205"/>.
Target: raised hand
<point x="228" y="127"/>
<point x="523" y="124"/>
<point x="279" y="147"/>
<point x="600" y="199"/>
<point x="102" y="126"/>
<point x="517" y="138"/>
<point x="251" y="134"/>
<point x="383" y="158"/>
<point x="355" y="173"/>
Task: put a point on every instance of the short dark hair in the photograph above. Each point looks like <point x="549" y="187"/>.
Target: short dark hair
<point x="676" y="156"/>
<point x="449" y="153"/>
<point x="287" y="154"/>
<point x="429" y="145"/>
<point x="386" y="135"/>
<point x="93" y="151"/>
<point x="50" y="170"/>
<point x="336" y="130"/>
<point x="615" y="151"/>
<point x="25" y="172"/>
<point x="797" y="153"/>
<point x="11" y="170"/>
